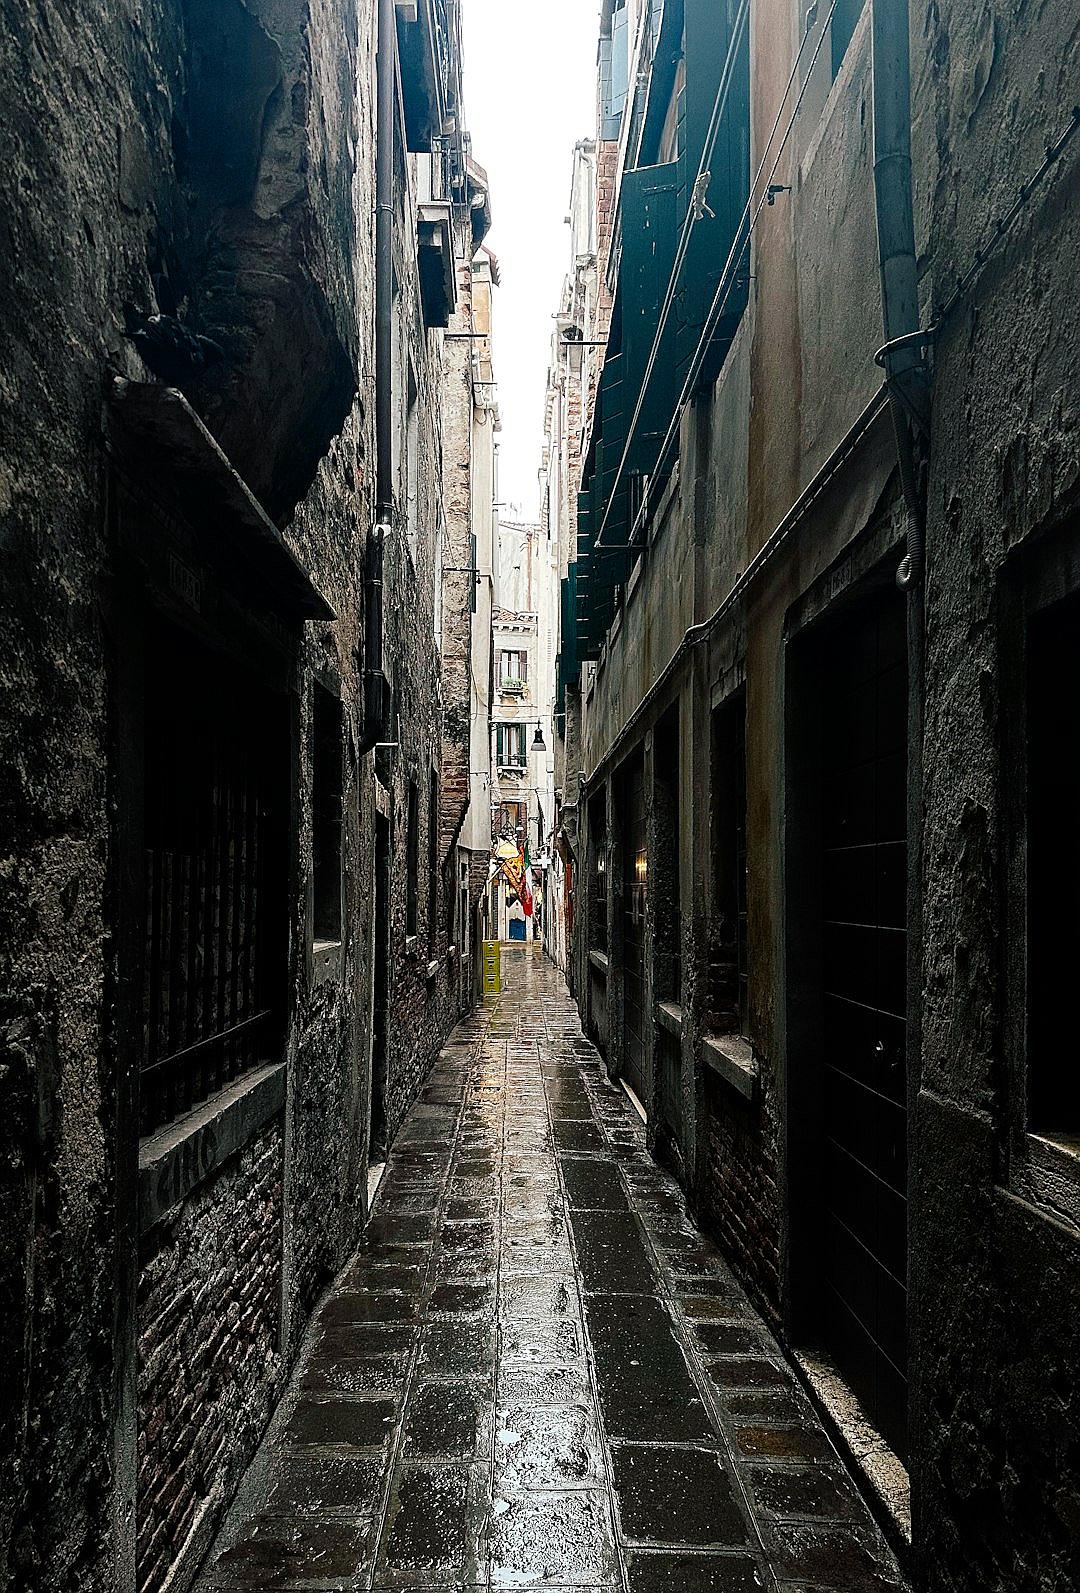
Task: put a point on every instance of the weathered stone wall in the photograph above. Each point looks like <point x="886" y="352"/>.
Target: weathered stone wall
<point x="996" y="1261"/>
<point x="218" y="162"/>
<point x="208" y="1337"/>
<point x="993" y="1263"/>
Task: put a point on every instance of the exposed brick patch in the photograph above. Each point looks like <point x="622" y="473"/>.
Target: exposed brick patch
<point x="208" y="1311"/>
<point x="740" y="1203"/>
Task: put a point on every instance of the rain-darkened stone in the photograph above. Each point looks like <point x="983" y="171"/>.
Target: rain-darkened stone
<point x="374" y="1375"/>
<point x="457" y="1349"/>
<point x="463" y="1299"/>
<point x="356" y="1423"/>
<point x="812" y="1494"/>
<point x="645" y="1387"/>
<point x="274" y="1552"/>
<point x="345" y="1310"/>
<point x="447" y="1420"/>
<point x="612" y="1254"/>
<point x="314" y="1480"/>
<point x="781" y="1443"/>
<point x="686" y="1571"/>
<point x="593" y="1185"/>
<point x="460" y="1422"/>
<point x="668" y="1495"/>
<point x="431" y="1534"/>
<point x="829" y="1557"/>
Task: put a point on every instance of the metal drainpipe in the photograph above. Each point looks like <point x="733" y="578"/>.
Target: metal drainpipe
<point x="903" y="355"/>
<point x="375" y="706"/>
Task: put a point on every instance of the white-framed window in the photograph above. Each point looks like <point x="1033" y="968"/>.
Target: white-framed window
<point x="510" y="746"/>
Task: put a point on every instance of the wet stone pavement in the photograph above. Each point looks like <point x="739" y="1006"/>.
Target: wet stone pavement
<point x="539" y="1373"/>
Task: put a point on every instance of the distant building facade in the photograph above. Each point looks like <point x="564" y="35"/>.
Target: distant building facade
<point x="523" y="635"/>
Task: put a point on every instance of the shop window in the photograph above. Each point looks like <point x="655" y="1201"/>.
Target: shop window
<point x="1053" y="866"/>
<point x="728" y="955"/>
<point x="326" y="796"/>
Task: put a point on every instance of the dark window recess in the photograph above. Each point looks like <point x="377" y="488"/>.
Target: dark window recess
<point x="845" y="19"/>
<point x="412" y="859"/>
<point x="1053" y="866"/>
<point x="433" y="859"/>
<point x="216" y="812"/>
<point x="728" y="954"/>
<point x="326" y="795"/>
<point x="598" y="937"/>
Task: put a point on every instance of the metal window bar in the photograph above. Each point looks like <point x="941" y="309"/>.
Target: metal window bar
<point x="211" y="972"/>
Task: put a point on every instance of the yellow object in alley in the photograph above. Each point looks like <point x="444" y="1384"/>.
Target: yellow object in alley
<point x="492" y="968"/>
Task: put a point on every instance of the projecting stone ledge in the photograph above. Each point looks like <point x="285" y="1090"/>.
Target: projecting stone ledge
<point x="733" y="1058"/>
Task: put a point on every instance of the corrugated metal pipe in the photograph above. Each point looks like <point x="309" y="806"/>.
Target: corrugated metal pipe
<point x="375" y="692"/>
<point x="903" y="356"/>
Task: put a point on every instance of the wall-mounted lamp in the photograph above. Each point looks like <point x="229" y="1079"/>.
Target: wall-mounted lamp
<point x="641" y="867"/>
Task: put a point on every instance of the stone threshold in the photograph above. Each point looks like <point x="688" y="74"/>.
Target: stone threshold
<point x="880" y="1473"/>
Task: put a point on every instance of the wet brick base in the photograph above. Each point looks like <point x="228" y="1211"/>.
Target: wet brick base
<point x="539" y="1373"/>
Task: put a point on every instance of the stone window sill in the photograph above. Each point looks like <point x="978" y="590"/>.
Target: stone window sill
<point x="1050" y="1175"/>
<point x="433" y="967"/>
<point x="175" y="1159"/>
<point x="412" y="945"/>
<point x="599" y="961"/>
<point x="326" y="960"/>
<point x="732" y="1058"/>
<point x="669" y="1016"/>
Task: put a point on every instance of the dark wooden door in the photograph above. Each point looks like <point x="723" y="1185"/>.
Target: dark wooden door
<point x="863" y="1148"/>
<point x="635" y="872"/>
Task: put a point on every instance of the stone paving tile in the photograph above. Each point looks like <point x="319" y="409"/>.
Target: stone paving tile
<point x="537" y="1373"/>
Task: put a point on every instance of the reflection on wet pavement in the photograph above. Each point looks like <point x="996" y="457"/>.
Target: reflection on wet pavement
<point x="539" y="1373"/>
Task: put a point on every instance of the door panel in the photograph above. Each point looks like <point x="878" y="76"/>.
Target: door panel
<point x="634" y="888"/>
<point x="863" y="1007"/>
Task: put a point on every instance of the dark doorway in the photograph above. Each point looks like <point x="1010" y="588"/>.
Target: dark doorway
<point x="848" y="888"/>
<point x="635" y="884"/>
<point x="381" y="999"/>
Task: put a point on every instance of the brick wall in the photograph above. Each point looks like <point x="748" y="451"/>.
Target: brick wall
<point x="209" y="1300"/>
<point x="739" y="1200"/>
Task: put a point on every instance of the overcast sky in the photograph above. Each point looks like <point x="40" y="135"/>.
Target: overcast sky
<point x="530" y="76"/>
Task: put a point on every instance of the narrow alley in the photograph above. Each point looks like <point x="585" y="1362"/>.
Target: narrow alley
<point x="539" y="774"/>
<point x="538" y="1372"/>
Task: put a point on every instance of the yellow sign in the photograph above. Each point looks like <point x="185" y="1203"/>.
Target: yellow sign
<point x="492" y="968"/>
